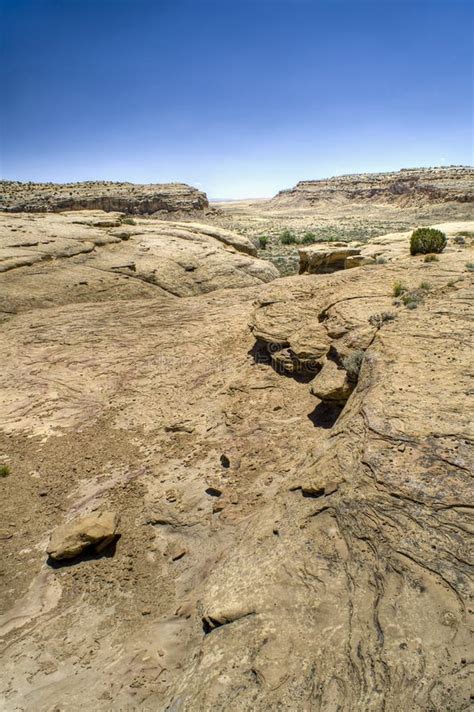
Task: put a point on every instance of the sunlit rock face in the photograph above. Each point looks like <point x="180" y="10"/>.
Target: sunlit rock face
<point x="408" y="187"/>
<point x="129" y="198"/>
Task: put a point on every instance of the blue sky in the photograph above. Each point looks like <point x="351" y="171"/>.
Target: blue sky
<point x="239" y="97"/>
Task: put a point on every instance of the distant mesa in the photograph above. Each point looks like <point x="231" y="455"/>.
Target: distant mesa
<point x="408" y="187"/>
<point x="131" y="198"/>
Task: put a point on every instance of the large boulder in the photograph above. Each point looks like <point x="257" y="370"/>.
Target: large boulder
<point x="95" y="531"/>
<point x="322" y="259"/>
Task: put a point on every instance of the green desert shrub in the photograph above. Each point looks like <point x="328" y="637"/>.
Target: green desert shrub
<point x="470" y="266"/>
<point x="308" y="238"/>
<point x="352" y="363"/>
<point x="262" y="242"/>
<point x="427" y="239"/>
<point x="378" y="319"/>
<point x="287" y="238"/>
<point x="4" y="470"/>
<point x="431" y="258"/>
<point x="127" y="220"/>
<point x="465" y="233"/>
<point x="398" y="288"/>
<point x="425" y="285"/>
<point x="411" y="299"/>
<point x="380" y="260"/>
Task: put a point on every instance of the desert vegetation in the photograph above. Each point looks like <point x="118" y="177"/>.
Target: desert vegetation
<point x="431" y="258"/>
<point x="427" y="240"/>
<point x="353" y="363"/>
<point x="288" y="238"/>
<point x="398" y="288"/>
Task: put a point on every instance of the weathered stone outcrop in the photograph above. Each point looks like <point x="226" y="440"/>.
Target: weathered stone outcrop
<point x="322" y="259"/>
<point x="78" y="255"/>
<point x="408" y="187"/>
<point x="129" y="198"/>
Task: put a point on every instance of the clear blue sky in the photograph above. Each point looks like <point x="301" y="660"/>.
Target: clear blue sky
<point x="238" y="97"/>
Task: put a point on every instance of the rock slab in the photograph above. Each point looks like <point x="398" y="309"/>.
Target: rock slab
<point x="93" y="531"/>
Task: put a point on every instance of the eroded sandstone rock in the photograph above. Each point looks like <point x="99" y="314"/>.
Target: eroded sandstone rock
<point x="95" y="531"/>
<point x="323" y="259"/>
<point x="332" y="383"/>
<point x="73" y="250"/>
<point x="100" y="195"/>
<point x="413" y="186"/>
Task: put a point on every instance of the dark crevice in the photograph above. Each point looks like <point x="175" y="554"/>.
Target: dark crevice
<point x="314" y="494"/>
<point x="261" y="351"/>
<point x="321" y="511"/>
<point x="325" y="414"/>
<point x="213" y="492"/>
<point x="334" y="355"/>
<point x="209" y="624"/>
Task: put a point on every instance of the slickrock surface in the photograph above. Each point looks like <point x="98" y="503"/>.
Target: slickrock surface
<point x="130" y="198"/>
<point x="293" y="537"/>
<point x="87" y="256"/>
<point x="408" y="187"/>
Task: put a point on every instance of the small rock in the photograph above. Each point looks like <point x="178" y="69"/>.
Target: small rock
<point x="176" y="551"/>
<point x="171" y="495"/>
<point x="180" y="427"/>
<point x="71" y="539"/>
<point x="331" y="384"/>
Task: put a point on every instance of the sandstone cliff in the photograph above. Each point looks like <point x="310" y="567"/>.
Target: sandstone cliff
<point x="408" y="187"/>
<point x="100" y="195"/>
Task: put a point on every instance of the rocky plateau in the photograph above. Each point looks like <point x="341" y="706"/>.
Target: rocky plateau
<point x="407" y="187"/>
<point x="129" y="198"/>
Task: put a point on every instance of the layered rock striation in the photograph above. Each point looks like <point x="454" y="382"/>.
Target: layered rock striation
<point x="408" y="187"/>
<point x="129" y="198"/>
